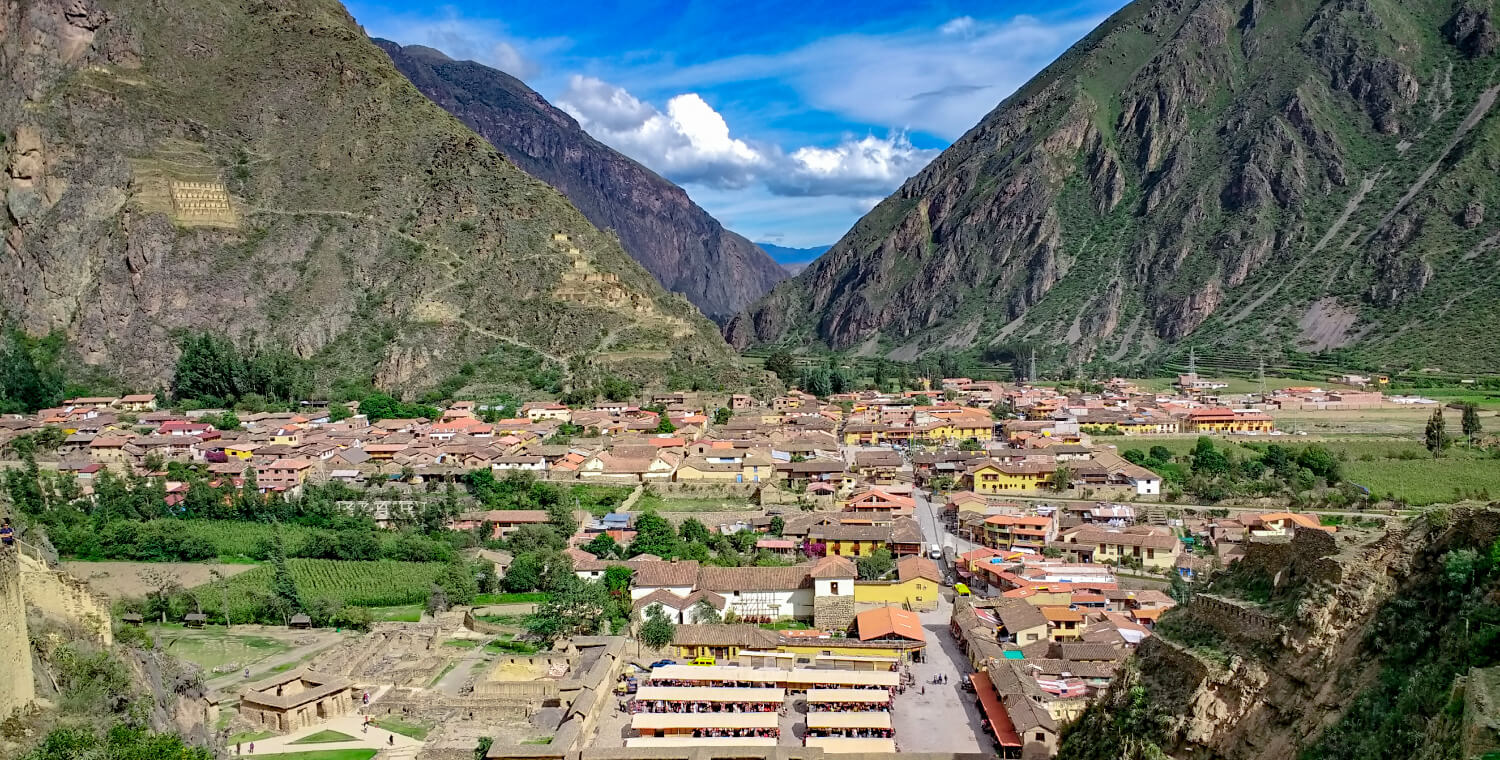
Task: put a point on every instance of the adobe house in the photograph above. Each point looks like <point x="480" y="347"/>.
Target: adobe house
<point x="297" y="699"/>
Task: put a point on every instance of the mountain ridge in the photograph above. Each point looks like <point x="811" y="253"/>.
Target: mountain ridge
<point x="1209" y="174"/>
<point x="685" y="248"/>
<point x="325" y="206"/>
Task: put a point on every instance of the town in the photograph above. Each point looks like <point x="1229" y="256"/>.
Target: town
<point x="836" y="573"/>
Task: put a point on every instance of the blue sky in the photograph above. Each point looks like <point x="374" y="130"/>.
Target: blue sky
<point x="786" y="120"/>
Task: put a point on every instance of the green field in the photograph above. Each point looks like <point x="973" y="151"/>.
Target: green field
<point x="416" y="731"/>
<point x="324" y="737"/>
<point x="212" y="648"/>
<point x="1384" y="465"/>
<point x="532" y="597"/>
<point x="382" y="583"/>
<point x="322" y="754"/>
<point x="406" y="613"/>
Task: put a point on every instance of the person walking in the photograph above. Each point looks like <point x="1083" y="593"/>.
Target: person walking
<point x="391" y="740"/>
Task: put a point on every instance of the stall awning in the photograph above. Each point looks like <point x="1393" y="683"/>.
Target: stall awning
<point x="994" y="710"/>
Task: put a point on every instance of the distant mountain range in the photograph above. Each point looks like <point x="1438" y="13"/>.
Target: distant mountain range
<point x="1250" y="179"/>
<point x="793" y="260"/>
<point x="685" y="248"/>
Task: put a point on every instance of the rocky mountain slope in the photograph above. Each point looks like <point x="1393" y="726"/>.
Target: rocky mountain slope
<point x="261" y="170"/>
<point x="1268" y="178"/>
<point x="1380" y="645"/>
<point x="687" y="250"/>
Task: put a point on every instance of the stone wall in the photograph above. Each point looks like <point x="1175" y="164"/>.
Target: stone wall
<point x="1307" y="558"/>
<point x="1235" y="619"/>
<point x="17" y="689"/>
<point x="833" y="613"/>
<point x="60" y="598"/>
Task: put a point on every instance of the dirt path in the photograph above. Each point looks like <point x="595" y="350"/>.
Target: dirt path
<point x="231" y="683"/>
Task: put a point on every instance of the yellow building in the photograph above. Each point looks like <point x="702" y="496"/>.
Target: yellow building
<point x="241" y="451"/>
<point x="916" y="587"/>
<point x="846" y="540"/>
<point x="287" y="437"/>
<point x="1063" y="623"/>
<point x="994" y="477"/>
<point x="1228" y="421"/>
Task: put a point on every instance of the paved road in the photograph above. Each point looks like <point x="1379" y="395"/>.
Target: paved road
<point x="938" y="717"/>
<point x="933" y="529"/>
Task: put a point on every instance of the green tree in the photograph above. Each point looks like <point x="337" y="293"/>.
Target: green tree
<point x="694" y="531"/>
<point x="705" y="613"/>
<point x="339" y="413"/>
<point x="227" y="421"/>
<point x="875" y="566"/>
<point x="657" y="632"/>
<point x="1207" y="459"/>
<point x="603" y="546"/>
<point x="123" y="741"/>
<point x="1061" y="478"/>
<point x="283" y="585"/>
<point x="524" y="573"/>
<point x="722" y="415"/>
<point x="482" y="749"/>
<point x="31" y="377"/>
<point x="921" y="401"/>
<point x="459" y="581"/>
<point x="574" y="607"/>
<point x="1471" y="424"/>
<point x="777" y="525"/>
<point x="782" y="364"/>
<point x="664" y="425"/>
<point x="1436" y="434"/>
<point x="653" y="535"/>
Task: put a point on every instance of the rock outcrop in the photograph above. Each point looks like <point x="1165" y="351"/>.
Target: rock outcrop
<point x="687" y="250"/>
<point x="1221" y="165"/>
<point x="261" y="170"/>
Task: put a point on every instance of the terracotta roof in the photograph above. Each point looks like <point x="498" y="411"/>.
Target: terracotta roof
<point x="918" y="567"/>
<point x="744" y="635"/>
<point x="833" y="567"/>
<point x="731" y="579"/>
<point x="675" y="574"/>
<point x="889" y="622"/>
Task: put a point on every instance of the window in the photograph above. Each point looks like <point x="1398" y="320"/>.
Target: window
<point x="1041" y="737"/>
<point x="833" y="588"/>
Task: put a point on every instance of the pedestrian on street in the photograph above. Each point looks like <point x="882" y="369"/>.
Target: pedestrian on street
<point x="237" y="749"/>
<point x="391" y="740"/>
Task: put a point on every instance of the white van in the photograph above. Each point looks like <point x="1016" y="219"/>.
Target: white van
<point x="936" y="552"/>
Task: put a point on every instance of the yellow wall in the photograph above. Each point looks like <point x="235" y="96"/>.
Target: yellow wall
<point x="826" y="646"/>
<point x="854" y="548"/>
<point x="1150" y="558"/>
<point x="917" y="593"/>
<point x="1008" y="483"/>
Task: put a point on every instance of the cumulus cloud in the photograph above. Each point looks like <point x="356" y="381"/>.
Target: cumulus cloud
<point x="690" y="142"/>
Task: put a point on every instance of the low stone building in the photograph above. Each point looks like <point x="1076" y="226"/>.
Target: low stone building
<point x="297" y="699"/>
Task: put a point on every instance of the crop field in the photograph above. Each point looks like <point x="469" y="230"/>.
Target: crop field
<point x="1400" y="466"/>
<point x="362" y="584"/>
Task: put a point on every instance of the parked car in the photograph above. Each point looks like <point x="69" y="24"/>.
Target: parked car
<point x="660" y="663"/>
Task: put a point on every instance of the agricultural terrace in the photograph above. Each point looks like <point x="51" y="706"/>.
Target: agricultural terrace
<point x="380" y="583"/>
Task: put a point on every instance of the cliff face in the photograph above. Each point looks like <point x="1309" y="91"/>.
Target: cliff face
<point x="687" y="250"/>
<point x="1275" y="178"/>
<point x="1353" y="648"/>
<point x="261" y="170"/>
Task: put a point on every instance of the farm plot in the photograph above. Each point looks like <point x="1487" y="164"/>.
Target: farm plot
<point x="361" y="584"/>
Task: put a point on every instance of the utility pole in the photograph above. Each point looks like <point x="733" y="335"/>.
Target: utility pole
<point x="1031" y="370"/>
<point x="1192" y="362"/>
<point x="1261" y="373"/>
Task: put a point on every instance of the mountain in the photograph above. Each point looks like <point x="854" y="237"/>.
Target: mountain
<point x="687" y="250"/>
<point x="1238" y="176"/>
<point x="793" y="260"/>
<point x="1355" y="645"/>
<point x="262" y="171"/>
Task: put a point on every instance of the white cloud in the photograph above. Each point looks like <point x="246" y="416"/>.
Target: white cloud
<point x="691" y="143"/>
<point x="940" y="80"/>
<point x="961" y="26"/>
